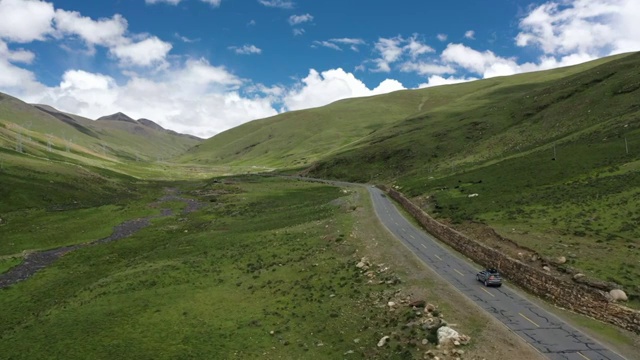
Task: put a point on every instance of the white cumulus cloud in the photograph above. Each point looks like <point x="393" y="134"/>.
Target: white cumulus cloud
<point x="25" y="20"/>
<point x="425" y="68"/>
<point x="282" y="4"/>
<point x="393" y="49"/>
<point x="300" y="19"/>
<point x="195" y="97"/>
<point x="594" y="27"/>
<point x="318" y="89"/>
<point x="143" y="53"/>
<point x="172" y="2"/>
<point x="437" y="80"/>
<point x="246" y="49"/>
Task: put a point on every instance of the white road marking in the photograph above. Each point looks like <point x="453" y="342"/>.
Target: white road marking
<point x="529" y="320"/>
<point x="485" y="290"/>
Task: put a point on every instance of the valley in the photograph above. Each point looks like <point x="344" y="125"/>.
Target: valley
<point x="234" y="261"/>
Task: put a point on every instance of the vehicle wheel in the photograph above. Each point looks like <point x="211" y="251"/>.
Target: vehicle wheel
<point x="485" y="283"/>
<point x="498" y="285"/>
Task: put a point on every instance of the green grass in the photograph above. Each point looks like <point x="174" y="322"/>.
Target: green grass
<point x="38" y="229"/>
<point x="499" y="141"/>
<point x="267" y="255"/>
<point x="7" y="263"/>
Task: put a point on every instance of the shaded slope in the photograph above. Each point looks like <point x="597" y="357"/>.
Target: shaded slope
<point x="41" y="130"/>
<point x="553" y="165"/>
<point x="299" y="138"/>
<point x="500" y="118"/>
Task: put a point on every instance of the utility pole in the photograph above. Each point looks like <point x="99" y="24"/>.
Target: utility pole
<point x="19" y="143"/>
<point x="626" y="145"/>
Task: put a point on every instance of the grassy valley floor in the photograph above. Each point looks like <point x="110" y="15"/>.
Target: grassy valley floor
<point x="266" y="268"/>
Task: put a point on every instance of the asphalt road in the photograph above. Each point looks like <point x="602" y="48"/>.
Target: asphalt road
<point x="551" y="336"/>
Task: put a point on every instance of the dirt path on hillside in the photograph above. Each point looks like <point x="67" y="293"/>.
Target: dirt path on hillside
<point x="39" y="260"/>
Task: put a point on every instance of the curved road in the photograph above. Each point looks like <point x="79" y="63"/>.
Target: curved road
<point x="551" y="336"/>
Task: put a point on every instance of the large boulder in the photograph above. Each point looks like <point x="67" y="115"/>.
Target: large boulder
<point x="447" y="335"/>
<point x="618" y="295"/>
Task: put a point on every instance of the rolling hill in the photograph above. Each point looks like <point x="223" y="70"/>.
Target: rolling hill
<point x="115" y="137"/>
<point x="553" y="156"/>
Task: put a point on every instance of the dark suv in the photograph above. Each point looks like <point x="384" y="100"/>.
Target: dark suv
<point x="490" y="277"/>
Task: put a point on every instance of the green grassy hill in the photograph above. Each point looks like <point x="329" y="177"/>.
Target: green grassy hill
<point x="36" y="129"/>
<point x="555" y="164"/>
<point x="553" y="155"/>
<point x="301" y="137"/>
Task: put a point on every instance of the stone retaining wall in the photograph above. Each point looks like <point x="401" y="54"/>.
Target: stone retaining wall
<point x="577" y="297"/>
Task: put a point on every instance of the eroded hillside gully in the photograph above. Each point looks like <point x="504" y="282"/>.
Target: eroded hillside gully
<point x="39" y="260"/>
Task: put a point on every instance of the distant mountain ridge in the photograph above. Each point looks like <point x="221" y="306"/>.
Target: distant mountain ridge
<point x="117" y="117"/>
<point x="145" y="122"/>
<point x="47" y="132"/>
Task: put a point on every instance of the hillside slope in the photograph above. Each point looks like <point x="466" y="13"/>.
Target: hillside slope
<point x="299" y="138"/>
<point x="42" y="130"/>
<point x="553" y="165"/>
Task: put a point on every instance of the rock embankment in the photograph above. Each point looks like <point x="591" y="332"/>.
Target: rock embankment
<point x="567" y="294"/>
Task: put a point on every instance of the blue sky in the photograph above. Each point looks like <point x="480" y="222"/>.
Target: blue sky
<point x="203" y="66"/>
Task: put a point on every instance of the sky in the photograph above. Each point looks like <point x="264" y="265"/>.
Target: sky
<point x="204" y="66"/>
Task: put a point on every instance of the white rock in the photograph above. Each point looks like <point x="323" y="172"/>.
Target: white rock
<point x="446" y="334"/>
<point x="383" y="341"/>
<point x="618" y="295"/>
<point x="561" y="260"/>
<point x="578" y="276"/>
<point x="546" y="268"/>
<point x="391" y="304"/>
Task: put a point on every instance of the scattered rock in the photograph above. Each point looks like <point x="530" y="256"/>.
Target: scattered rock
<point x="546" y="268"/>
<point x="618" y="295"/>
<point x="429" y="308"/>
<point x="578" y="276"/>
<point x="561" y="260"/>
<point x="383" y="341"/>
<point x="391" y="304"/>
<point x="417" y="303"/>
<point x="534" y="257"/>
<point x="425" y="341"/>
